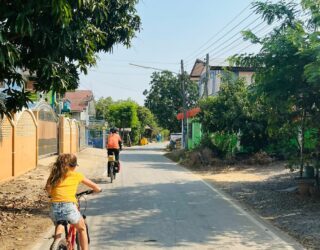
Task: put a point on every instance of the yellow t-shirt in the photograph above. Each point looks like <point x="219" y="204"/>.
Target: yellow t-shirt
<point x="66" y="190"/>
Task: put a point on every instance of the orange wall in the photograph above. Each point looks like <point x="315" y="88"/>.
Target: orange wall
<point x="25" y="143"/>
<point x="65" y="135"/>
<point x="21" y="136"/>
<point x="74" y="136"/>
<point x="6" y="143"/>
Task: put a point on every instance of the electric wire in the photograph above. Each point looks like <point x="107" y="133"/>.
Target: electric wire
<point x="217" y="33"/>
<point x="227" y="47"/>
<point x="227" y="33"/>
<point x="237" y="39"/>
<point x="118" y="73"/>
<point x="246" y="47"/>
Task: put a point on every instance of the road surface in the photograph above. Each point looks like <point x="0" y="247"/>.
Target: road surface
<point x="156" y="204"/>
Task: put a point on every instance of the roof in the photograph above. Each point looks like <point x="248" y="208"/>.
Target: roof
<point x="197" y="68"/>
<point x="231" y="68"/>
<point x="79" y="99"/>
<point x="190" y="113"/>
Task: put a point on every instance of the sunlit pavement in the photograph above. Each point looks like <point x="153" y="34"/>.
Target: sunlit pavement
<point x="155" y="204"/>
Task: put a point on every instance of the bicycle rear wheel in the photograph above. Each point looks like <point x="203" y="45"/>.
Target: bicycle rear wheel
<point x="111" y="171"/>
<point x="59" y="244"/>
<point x="78" y="241"/>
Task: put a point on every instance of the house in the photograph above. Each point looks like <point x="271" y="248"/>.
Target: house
<point x="198" y="68"/>
<point x="198" y="73"/>
<point x="82" y="107"/>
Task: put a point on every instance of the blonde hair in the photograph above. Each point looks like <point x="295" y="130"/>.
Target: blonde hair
<point x="60" y="168"/>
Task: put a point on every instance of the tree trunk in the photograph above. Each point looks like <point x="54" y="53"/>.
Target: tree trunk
<point x="303" y="118"/>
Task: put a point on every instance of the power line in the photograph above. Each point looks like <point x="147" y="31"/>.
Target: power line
<point x="228" y="32"/>
<point x="86" y="86"/>
<point x="257" y="33"/>
<point x="246" y="47"/>
<point x="242" y="43"/>
<point x="117" y="73"/>
<point x="224" y="39"/>
<point x="217" y="33"/>
<point x="144" y="61"/>
<point x="147" y="67"/>
<point x="236" y="40"/>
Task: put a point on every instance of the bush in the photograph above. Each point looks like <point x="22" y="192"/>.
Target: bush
<point x="165" y="134"/>
<point x="223" y="144"/>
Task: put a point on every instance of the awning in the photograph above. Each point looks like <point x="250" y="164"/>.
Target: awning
<point x="190" y="113"/>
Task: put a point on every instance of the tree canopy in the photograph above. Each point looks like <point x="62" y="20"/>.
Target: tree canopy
<point x="126" y="114"/>
<point x="287" y="68"/>
<point x="164" y="98"/>
<point x="53" y="41"/>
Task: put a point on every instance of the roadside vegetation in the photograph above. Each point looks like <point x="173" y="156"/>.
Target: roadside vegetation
<point x="129" y="114"/>
<point x="279" y="113"/>
<point x="253" y="133"/>
<point x="164" y="98"/>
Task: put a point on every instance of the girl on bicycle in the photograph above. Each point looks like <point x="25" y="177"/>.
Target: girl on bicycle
<point x="62" y="186"/>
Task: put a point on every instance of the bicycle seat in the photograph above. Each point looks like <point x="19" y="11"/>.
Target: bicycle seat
<point x="63" y="222"/>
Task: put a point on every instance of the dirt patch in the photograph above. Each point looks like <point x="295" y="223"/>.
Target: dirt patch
<point x="23" y="209"/>
<point x="270" y="190"/>
<point x="24" y="205"/>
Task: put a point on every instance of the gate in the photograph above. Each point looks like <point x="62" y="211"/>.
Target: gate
<point x="95" y="138"/>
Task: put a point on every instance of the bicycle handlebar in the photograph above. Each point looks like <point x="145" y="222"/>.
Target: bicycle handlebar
<point x="84" y="193"/>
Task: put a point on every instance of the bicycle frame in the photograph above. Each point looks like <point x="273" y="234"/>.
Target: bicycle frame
<point x="70" y="230"/>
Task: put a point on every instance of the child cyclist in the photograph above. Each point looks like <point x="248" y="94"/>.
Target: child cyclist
<point x="62" y="186"/>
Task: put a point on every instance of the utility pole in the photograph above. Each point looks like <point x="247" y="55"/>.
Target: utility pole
<point x="207" y="80"/>
<point x="184" y="106"/>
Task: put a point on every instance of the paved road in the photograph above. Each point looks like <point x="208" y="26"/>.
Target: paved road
<point x="155" y="204"/>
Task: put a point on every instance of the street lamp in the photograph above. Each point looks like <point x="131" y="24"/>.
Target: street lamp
<point x="184" y="103"/>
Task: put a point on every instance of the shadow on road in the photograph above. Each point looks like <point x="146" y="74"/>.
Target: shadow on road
<point x="170" y="215"/>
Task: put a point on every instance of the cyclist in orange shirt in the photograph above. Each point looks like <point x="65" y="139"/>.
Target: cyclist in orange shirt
<point x="114" y="145"/>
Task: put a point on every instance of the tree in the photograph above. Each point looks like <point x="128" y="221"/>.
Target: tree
<point x="53" y="41"/>
<point x="102" y="108"/>
<point x="164" y="98"/>
<point x="233" y="111"/>
<point x="288" y="68"/>
<point x="124" y="114"/>
<point x="146" y="118"/>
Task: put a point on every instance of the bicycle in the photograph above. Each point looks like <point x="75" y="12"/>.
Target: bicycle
<point x="113" y="167"/>
<point x="71" y="234"/>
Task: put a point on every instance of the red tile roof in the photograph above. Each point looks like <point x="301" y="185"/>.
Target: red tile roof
<point x="79" y="99"/>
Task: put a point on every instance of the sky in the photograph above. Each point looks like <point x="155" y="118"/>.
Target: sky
<point x="173" y="30"/>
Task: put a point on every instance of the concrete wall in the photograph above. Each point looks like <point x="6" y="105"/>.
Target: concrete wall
<point x="74" y="136"/>
<point x="65" y="135"/>
<point x="69" y="135"/>
<point x="19" y="140"/>
<point x="248" y="76"/>
<point x="25" y="143"/>
<point x="6" y="148"/>
<point x="82" y="136"/>
<point x="47" y="132"/>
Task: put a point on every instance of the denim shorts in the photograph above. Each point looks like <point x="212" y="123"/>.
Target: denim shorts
<point x="65" y="211"/>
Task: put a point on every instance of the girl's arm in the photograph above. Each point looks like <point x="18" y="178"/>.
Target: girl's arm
<point x="48" y="187"/>
<point x="92" y="185"/>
